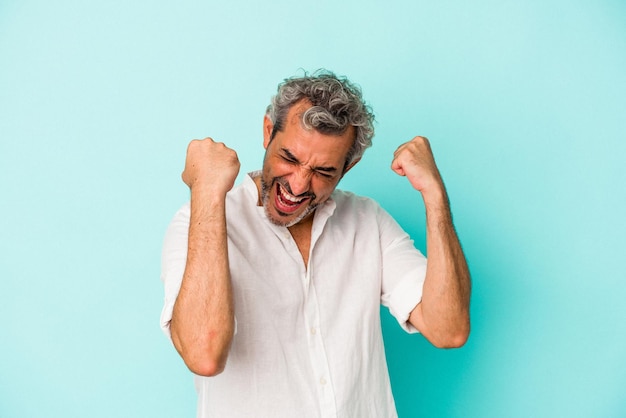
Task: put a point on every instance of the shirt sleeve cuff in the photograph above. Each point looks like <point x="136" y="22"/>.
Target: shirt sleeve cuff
<point x="166" y="318"/>
<point x="404" y="298"/>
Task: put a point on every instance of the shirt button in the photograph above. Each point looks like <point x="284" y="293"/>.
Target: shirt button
<point x="322" y="381"/>
<point x="313" y="330"/>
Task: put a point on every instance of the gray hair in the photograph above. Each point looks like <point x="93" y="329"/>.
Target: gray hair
<point x="336" y="105"/>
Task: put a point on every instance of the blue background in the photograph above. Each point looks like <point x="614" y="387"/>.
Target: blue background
<point x="524" y="104"/>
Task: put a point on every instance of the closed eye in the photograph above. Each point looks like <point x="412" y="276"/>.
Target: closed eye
<point x="325" y="175"/>
<point x="288" y="156"/>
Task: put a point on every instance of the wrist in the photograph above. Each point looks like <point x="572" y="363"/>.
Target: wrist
<point x="435" y="196"/>
<point x="208" y="191"/>
<point x="207" y="200"/>
<point x="436" y="204"/>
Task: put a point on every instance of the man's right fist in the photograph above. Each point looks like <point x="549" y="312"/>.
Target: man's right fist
<point x="210" y="166"/>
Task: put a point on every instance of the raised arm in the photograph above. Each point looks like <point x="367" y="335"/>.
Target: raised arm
<point x="202" y="323"/>
<point x="443" y="314"/>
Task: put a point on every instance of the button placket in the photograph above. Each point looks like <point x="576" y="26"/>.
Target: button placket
<point x="317" y="351"/>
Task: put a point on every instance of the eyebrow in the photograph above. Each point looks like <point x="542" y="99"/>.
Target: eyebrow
<point x="289" y="155"/>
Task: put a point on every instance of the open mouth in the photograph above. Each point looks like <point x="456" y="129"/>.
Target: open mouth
<point x="287" y="203"/>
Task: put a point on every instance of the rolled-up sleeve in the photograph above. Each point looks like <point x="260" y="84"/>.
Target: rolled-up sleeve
<point x="403" y="273"/>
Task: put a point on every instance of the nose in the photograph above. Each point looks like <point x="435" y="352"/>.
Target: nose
<point x="300" y="181"/>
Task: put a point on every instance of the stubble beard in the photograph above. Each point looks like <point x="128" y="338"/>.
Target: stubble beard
<point x="265" y="199"/>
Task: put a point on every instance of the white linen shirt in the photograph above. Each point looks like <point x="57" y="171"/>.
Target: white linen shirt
<point x="308" y="340"/>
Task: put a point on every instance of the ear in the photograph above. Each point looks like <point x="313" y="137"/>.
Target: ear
<point x="268" y="126"/>
<point x="352" y="164"/>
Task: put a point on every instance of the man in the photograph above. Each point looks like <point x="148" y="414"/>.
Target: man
<point x="273" y="288"/>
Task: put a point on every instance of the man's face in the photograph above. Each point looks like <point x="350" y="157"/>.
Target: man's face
<point x="301" y="168"/>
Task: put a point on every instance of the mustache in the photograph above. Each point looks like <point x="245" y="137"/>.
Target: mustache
<point x="285" y="184"/>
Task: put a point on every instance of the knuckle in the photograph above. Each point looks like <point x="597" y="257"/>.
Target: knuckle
<point x="195" y="144"/>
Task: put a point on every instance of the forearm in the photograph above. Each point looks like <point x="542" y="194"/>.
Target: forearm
<point x="443" y="314"/>
<point x="203" y="320"/>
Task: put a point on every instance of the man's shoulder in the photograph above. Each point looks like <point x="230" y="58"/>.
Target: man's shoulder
<point x="341" y="195"/>
<point x="347" y="200"/>
<point x="244" y="192"/>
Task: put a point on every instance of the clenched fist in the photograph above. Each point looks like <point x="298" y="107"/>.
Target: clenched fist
<point x="414" y="159"/>
<point x="210" y="166"/>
